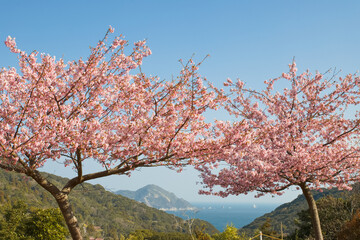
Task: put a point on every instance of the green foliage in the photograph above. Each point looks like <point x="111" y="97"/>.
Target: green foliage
<point x="152" y="235"/>
<point x="200" y="234"/>
<point x="268" y="229"/>
<point x="46" y="224"/>
<point x="12" y="221"/>
<point x="19" y="222"/>
<point x="140" y="235"/>
<point x="334" y="214"/>
<point x="230" y="233"/>
<point x="304" y="226"/>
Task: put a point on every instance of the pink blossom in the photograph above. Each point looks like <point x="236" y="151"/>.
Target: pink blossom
<point x="11" y="44"/>
<point x="294" y="137"/>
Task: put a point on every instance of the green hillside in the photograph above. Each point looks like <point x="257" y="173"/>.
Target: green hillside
<point x="287" y="214"/>
<point x="93" y="205"/>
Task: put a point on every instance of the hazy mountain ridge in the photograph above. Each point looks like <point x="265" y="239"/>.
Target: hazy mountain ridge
<point x="157" y="197"/>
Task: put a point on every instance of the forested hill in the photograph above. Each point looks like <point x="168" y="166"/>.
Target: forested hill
<point x="287" y="214"/>
<point x="92" y="204"/>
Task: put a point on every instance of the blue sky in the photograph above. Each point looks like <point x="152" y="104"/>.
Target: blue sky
<point x="250" y="40"/>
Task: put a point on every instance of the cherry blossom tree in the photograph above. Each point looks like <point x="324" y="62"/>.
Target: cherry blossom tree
<point x="99" y="110"/>
<point x="306" y="136"/>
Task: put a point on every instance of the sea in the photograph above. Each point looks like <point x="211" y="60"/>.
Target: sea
<point x="222" y="214"/>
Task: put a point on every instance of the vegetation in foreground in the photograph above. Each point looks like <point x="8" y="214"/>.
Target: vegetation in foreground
<point x="21" y="222"/>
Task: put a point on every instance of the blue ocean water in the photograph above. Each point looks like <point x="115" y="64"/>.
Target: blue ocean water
<point x="221" y="214"/>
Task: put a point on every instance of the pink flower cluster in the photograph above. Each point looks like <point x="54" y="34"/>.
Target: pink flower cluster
<point x="97" y="109"/>
<point x="306" y="134"/>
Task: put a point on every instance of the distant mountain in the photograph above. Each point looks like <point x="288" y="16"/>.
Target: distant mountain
<point x="156" y="197"/>
<point x="94" y="205"/>
<point x="286" y="214"/>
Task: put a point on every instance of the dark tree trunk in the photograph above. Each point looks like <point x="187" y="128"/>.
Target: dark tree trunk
<point x="62" y="199"/>
<point x="70" y="219"/>
<point x="313" y="211"/>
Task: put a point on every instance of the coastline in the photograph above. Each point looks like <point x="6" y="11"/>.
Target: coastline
<point x="179" y="209"/>
<point x="222" y="214"/>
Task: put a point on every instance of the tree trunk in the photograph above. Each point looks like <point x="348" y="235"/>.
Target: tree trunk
<point x="313" y="211"/>
<point x="70" y="219"/>
<point x="62" y="200"/>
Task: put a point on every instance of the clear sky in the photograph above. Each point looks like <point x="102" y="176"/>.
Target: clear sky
<point x="250" y="40"/>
